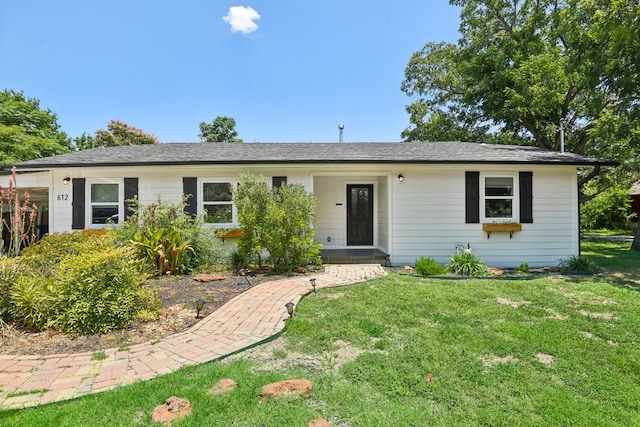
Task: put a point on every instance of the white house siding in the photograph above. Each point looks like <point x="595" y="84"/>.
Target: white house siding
<point x="422" y="216"/>
<point x="429" y="217"/>
<point x="153" y="182"/>
<point x="383" y="213"/>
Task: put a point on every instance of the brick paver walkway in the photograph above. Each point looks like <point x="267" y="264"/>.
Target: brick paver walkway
<point x="249" y="318"/>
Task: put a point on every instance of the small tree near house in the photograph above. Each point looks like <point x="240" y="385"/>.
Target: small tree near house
<point x="278" y="220"/>
<point x="18" y="226"/>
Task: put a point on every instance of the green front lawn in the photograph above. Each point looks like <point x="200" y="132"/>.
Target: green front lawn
<point x="551" y="350"/>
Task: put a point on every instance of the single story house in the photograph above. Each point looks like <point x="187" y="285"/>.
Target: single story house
<point x="510" y="204"/>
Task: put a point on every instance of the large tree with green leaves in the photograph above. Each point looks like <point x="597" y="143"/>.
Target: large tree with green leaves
<point x="527" y="72"/>
<point x="117" y="133"/>
<point x="523" y="67"/>
<point x="27" y="131"/>
<point x="222" y="129"/>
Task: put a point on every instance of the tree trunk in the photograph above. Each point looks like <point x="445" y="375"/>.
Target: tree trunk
<point x="635" y="246"/>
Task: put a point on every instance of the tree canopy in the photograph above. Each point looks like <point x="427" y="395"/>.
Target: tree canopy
<point x="117" y="133"/>
<point x="27" y="131"/>
<point x="523" y="67"/>
<point x="528" y="71"/>
<point x="222" y="129"/>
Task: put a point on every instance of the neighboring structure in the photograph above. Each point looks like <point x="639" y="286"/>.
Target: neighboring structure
<point x="634" y="193"/>
<point x="404" y="199"/>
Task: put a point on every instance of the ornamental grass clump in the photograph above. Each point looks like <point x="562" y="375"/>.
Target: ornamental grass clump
<point x="467" y="264"/>
<point x="429" y="267"/>
<point x="578" y="265"/>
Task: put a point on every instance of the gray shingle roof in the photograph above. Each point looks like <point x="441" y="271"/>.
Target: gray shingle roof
<point x="256" y="153"/>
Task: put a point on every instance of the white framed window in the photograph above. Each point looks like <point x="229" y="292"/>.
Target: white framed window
<point x="105" y="203"/>
<point x="217" y="202"/>
<point x="498" y="197"/>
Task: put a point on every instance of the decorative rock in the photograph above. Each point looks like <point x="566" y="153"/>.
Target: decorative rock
<point x="275" y="390"/>
<point x="176" y="308"/>
<point x="320" y="422"/>
<point x="495" y="271"/>
<point x="408" y="269"/>
<point x="225" y="385"/>
<point x="207" y="277"/>
<point x="174" y="407"/>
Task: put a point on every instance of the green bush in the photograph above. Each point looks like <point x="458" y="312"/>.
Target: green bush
<point x="609" y="209"/>
<point x="523" y="268"/>
<point x="578" y="264"/>
<point x="238" y="260"/>
<point x="278" y="220"/>
<point x="98" y="292"/>
<point x="75" y="282"/>
<point x="9" y="275"/>
<point x="466" y="264"/>
<point x="167" y="238"/>
<point x="33" y="302"/>
<point x="429" y="267"/>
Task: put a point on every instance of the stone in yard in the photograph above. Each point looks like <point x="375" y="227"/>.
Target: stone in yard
<point x="174" y="407"/>
<point x="225" y="385"/>
<point x="320" y="422"/>
<point x="408" y="269"/>
<point x="275" y="390"/>
<point x="208" y="277"/>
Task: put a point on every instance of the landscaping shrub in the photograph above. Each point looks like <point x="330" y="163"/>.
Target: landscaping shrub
<point x="578" y="264"/>
<point x="167" y="238"/>
<point x="238" y="260"/>
<point x="33" y="302"/>
<point x="98" y="292"/>
<point x="9" y="274"/>
<point x="429" y="267"/>
<point x="278" y="220"/>
<point x="523" y="268"/>
<point x="74" y="282"/>
<point x="466" y="264"/>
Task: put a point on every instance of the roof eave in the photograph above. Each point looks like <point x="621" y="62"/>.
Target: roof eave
<point x="316" y="161"/>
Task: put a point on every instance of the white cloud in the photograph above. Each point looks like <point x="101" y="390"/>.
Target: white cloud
<point x="242" y="19"/>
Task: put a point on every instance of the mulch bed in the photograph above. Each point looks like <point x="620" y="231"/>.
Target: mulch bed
<point x="177" y="295"/>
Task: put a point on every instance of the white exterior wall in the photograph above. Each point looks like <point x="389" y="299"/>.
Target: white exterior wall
<point x="422" y="216"/>
<point x="429" y="217"/>
<point x="153" y="182"/>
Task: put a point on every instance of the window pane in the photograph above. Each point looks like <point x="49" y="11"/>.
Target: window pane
<point x="104" y="214"/>
<point x="104" y="193"/>
<point x="278" y="181"/>
<point x="217" y="192"/>
<point x="219" y="213"/>
<point x="498" y="187"/>
<point x="498" y="208"/>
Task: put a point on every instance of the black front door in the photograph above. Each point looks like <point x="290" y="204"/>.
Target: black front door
<point x="359" y="214"/>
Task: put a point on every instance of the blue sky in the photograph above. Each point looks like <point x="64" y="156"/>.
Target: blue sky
<point x="284" y="70"/>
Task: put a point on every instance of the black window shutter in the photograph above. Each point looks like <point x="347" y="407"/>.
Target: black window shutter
<point x="130" y="193"/>
<point x="190" y="188"/>
<point x="472" y="197"/>
<point x="77" y="204"/>
<point x="526" y="197"/>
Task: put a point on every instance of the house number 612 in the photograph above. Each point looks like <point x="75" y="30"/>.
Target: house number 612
<point x="63" y="197"/>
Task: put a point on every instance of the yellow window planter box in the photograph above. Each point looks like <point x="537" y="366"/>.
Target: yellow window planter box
<point x="510" y="228"/>
<point x="233" y="233"/>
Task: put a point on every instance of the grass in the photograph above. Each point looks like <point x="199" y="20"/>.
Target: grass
<point x="527" y="351"/>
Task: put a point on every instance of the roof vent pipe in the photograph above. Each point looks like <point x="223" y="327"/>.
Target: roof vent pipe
<point x="341" y="127"/>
